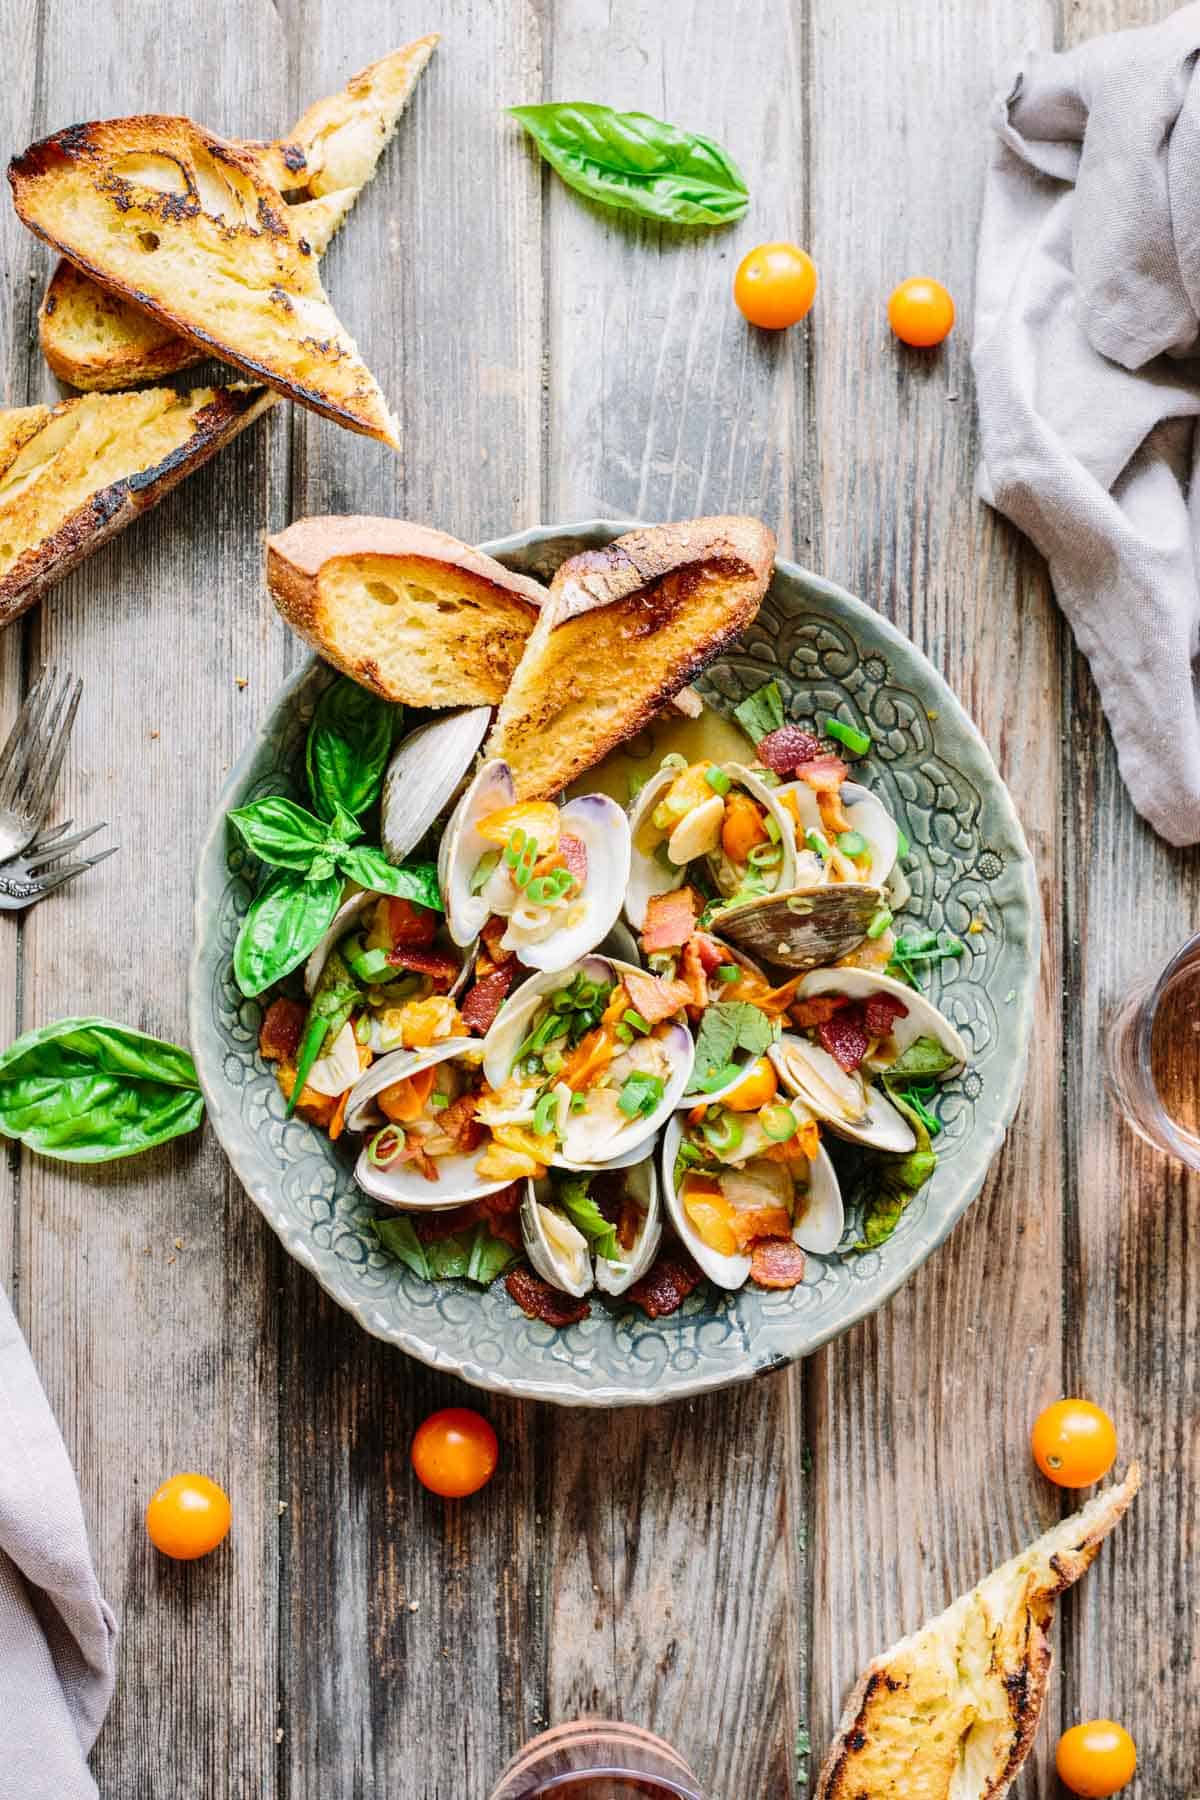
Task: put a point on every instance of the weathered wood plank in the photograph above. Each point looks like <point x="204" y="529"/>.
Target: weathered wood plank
<point x="919" y="1418"/>
<point x="1132" y="1309"/>
<point x="676" y="1559"/>
<point x="148" y="1294"/>
<point x="412" y="1632"/>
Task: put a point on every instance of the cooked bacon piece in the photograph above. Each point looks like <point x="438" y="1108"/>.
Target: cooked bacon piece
<point x="281" y="1030"/>
<point x="693" y="975"/>
<point x="845" y="1037"/>
<point x="573" y="852"/>
<point x="711" y="952"/>
<point x="458" y="1122"/>
<point x="880" y="1014"/>
<point x="776" y="1262"/>
<point x="824" y="774"/>
<point x="507" y="1201"/>
<point x="411" y="926"/>
<point x="439" y="965"/>
<point x="653" y="997"/>
<point x="819" y="1009"/>
<point x="486" y="997"/>
<point x="538" y="1300"/>
<point x="785" y="749"/>
<point x="671" y="1277"/>
<point x="491" y="934"/>
<point x="670" y="919"/>
<point x="432" y="1227"/>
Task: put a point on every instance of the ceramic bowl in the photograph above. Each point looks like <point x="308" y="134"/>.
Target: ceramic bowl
<point x="968" y="860"/>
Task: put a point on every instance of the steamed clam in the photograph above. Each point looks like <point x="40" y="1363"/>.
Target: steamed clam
<point x="585" y="1064"/>
<point x="555" y="874"/>
<point x="417" y="1111"/>
<point x="866" y="847"/>
<point x="409" y="969"/>
<point x="593" y="1230"/>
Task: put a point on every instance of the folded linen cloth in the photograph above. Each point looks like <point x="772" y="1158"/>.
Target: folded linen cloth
<point x="56" y="1633"/>
<point x="1088" y="298"/>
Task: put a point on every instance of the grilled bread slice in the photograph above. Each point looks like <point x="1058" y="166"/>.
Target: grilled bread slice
<point x="409" y="612"/>
<point x="951" y="1712"/>
<point x="72" y="475"/>
<point x="626" y="628"/>
<point x="186" y="225"/>
<point x="98" y="341"/>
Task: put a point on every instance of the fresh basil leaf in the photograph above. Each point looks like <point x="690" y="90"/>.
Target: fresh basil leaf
<point x="489" y="1256"/>
<point x="349" y="742"/>
<point x="586" y="1217"/>
<point x="923" y="1058"/>
<point x="399" y="1239"/>
<point x="637" y="163"/>
<point x="285" y="924"/>
<point x="726" y="1027"/>
<point x="86" y="1090"/>
<point x="280" y="833"/>
<point x="410" y="881"/>
<point x="761" y="712"/>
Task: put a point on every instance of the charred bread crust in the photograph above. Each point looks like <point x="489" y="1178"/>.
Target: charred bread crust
<point x="736" y="546"/>
<point x="296" y="556"/>
<point x="111" y="508"/>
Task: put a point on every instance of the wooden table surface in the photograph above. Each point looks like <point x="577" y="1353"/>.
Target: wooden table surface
<point x="719" y="1570"/>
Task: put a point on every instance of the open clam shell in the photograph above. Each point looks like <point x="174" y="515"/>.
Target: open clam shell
<point x="603" y="829"/>
<point x="423" y="775"/>
<point x="805" y="928"/>
<point x="588" y="1142"/>
<point x="920" y="1019"/>
<point x="867" y="815"/>
<point x="403" y="1186"/>
<point x="563" y="1256"/>
<point x="462" y="847"/>
<point x="651" y="873"/>
<point x="726" y="1271"/>
<point x="853" y="1108"/>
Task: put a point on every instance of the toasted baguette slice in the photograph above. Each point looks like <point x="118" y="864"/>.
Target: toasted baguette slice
<point x="72" y="475"/>
<point x="626" y="628"/>
<point x="169" y="216"/>
<point x="98" y="341"/>
<point x="951" y="1712"/>
<point x="409" y="612"/>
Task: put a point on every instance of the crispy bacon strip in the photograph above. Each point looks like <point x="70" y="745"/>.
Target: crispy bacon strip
<point x="845" y="1037"/>
<point x="666" y="1284"/>
<point x="785" y="749"/>
<point x="281" y="1030"/>
<point x="819" y="1009"/>
<point x="653" y="997"/>
<point x="670" y="919"/>
<point x="486" y="997"/>
<point x="439" y="965"/>
<point x="491" y="934"/>
<point x="776" y="1262"/>
<point x="458" y="1123"/>
<point x="411" y="926"/>
<point x="881" y="1012"/>
<point x="693" y="974"/>
<point x="823" y="774"/>
<point x="538" y="1300"/>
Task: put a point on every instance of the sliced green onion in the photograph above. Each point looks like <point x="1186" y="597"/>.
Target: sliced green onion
<point x="717" y="1078"/>
<point x="765" y="856"/>
<point x="484" y="869"/>
<point x="545" y="1113"/>
<point x="383" y="1153"/>
<point x="578" y="1102"/>
<point x="514" y="847"/>
<point x="723" y="1133"/>
<point x="854" y="740"/>
<point x="773" y="831"/>
<point x="673" y="760"/>
<point x="362" y="1030"/>
<point x="717" y="780"/>
<point x="851" y="844"/>
<point x="879" y="923"/>
<point x="635" y="1021"/>
<point x="779" y="1123"/>
<point x="817" y="843"/>
<point x="902" y="844"/>
<point x="623" y="1034"/>
<point x="727" y="972"/>
<point x="438" y="1102"/>
<point x="688" y="1153"/>
<point x="544" y="889"/>
<point x="553" y="1060"/>
<point x="640" y="1094"/>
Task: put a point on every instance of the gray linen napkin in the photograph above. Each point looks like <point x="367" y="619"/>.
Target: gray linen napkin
<point x="1088" y="297"/>
<point x="56" y="1633"/>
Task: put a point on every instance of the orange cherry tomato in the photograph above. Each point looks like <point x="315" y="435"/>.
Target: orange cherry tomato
<point x="454" y="1452"/>
<point x="921" y="312"/>
<point x="1074" y="1443"/>
<point x="1096" y="1759"/>
<point x="775" y="285"/>
<point x="187" y="1517"/>
<point x="757" y="1087"/>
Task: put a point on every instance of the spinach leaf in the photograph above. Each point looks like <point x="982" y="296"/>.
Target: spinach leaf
<point x="284" y="925"/>
<point x="86" y="1090"/>
<point x="472" y="1255"/>
<point x="585" y="1215"/>
<point x="349" y="742"/>
<point x="408" y="881"/>
<point x="923" y="1058"/>
<point x="761" y="712"/>
<point x="637" y="163"/>
<point x="399" y="1239"/>
<point x="281" y="833"/>
<point x="727" y="1027"/>
<point x="889" y="1182"/>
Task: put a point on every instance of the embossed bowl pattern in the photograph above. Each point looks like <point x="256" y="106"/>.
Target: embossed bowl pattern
<point x="969" y="861"/>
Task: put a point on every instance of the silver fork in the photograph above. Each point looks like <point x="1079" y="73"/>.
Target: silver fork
<point x="32" y="756"/>
<point x="28" y="878"/>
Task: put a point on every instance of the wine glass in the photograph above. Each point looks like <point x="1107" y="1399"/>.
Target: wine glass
<point x="597" y="1759"/>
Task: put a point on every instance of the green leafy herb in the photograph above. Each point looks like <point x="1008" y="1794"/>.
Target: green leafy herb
<point x="640" y="1094"/>
<point x="399" y="1239"/>
<point x="405" y="881"/>
<point x="475" y="1254"/>
<point x="924" y="1057"/>
<point x="889" y="1182"/>
<point x="337" y="994"/>
<point x="917" y="1098"/>
<point x="283" y="926"/>
<point x="727" y="1027"/>
<point x="761" y="712"/>
<point x="637" y="163"/>
<point x="855" y="741"/>
<point x="573" y="1196"/>
<point x="283" y="834"/>
<point x="349" y="742"/>
<point x="86" y="1090"/>
<point x="912" y="954"/>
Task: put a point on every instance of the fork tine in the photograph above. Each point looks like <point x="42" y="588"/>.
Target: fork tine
<point x="59" y="736"/>
<point x="57" y="878"/>
<point x="50" y="836"/>
<point x="14" y="757"/>
<point x="43" y="853"/>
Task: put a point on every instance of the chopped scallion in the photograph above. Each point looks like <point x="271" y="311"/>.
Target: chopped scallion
<point x="773" y="831"/>
<point x="484" y="869"/>
<point x="727" y="972"/>
<point x="635" y="1021"/>
<point x="879" y="923"/>
<point x="851" y="844"/>
<point x="640" y="1094"/>
<point x="854" y="740"/>
<point x="817" y="843"/>
<point x="717" y="780"/>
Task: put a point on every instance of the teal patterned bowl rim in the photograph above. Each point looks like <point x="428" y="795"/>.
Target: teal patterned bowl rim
<point x="969" y="860"/>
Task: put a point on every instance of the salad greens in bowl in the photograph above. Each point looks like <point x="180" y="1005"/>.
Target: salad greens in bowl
<point x="525" y="1126"/>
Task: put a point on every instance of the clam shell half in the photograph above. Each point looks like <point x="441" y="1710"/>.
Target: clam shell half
<point x="424" y="772"/>
<point x="648" y="876"/>
<point x="403" y="1186"/>
<point x="922" y="1018"/>
<point x="562" y="1262"/>
<point x="853" y="1108"/>
<point x="803" y="929"/>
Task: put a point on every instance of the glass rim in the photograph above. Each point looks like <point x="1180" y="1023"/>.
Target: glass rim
<point x="1174" y="1141"/>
